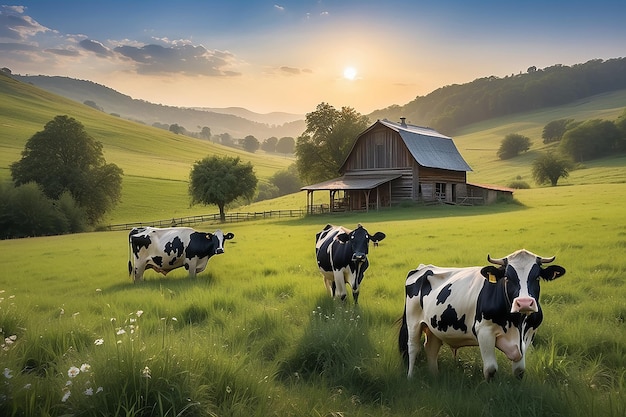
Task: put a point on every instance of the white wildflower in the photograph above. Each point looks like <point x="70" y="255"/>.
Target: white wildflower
<point x="146" y="372"/>
<point x="89" y="391"/>
<point x="98" y="342"/>
<point x="85" y="367"/>
<point x="66" y="395"/>
<point x="7" y="373"/>
<point x="139" y="313"/>
<point x="73" y="371"/>
<point x="121" y="331"/>
<point x="100" y="389"/>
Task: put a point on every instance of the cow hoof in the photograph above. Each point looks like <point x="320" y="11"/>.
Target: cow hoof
<point x="490" y="374"/>
<point x="519" y="373"/>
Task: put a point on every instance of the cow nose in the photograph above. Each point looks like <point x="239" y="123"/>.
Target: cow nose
<point x="358" y="257"/>
<point x="219" y="251"/>
<point x="526" y="305"/>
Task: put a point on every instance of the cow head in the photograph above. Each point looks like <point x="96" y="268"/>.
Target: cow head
<point x="219" y="238"/>
<point x="359" y="240"/>
<point x="520" y="272"/>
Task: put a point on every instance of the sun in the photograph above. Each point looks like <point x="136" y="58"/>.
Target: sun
<point x="349" y="73"/>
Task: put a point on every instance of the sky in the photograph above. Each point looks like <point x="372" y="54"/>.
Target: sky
<point x="291" y="55"/>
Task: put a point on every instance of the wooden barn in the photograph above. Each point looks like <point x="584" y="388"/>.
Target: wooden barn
<point x="393" y="162"/>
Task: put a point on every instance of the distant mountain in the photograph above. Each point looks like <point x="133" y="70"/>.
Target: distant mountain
<point x="239" y="123"/>
<point x="274" y="118"/>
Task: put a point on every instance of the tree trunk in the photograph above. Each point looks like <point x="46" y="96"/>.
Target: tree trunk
<point x="222" y="213"/>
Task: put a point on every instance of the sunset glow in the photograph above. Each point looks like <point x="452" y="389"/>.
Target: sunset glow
<point x="349" y="73"/>
<point x="257" y="55"/>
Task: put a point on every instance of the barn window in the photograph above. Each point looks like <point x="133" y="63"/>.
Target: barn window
<point x="440" y="190"/>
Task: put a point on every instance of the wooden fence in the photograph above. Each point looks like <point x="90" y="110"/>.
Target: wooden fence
<point x="213" y="218"/>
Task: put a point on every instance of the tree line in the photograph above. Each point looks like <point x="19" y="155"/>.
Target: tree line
<point x="451" y="107"/>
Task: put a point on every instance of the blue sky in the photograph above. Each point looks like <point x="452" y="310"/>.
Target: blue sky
<point x="291" y="55"/>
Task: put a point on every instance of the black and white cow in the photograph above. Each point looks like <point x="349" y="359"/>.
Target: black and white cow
<point x="165" y="249"/>
<point x="342" y="257"/>
<point x="490" y="307"/>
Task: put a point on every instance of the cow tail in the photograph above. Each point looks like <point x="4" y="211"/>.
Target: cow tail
<point x="130" y="266"/>
<point x="403" y="336"/>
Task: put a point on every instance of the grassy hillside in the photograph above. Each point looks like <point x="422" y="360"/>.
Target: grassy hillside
<point x="156" y="163"/>
<point x="479" y="143"/>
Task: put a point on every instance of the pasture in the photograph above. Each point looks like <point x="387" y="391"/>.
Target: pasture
<point x="257" y="335"/>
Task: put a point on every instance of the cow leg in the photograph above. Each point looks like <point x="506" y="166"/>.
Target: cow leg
<point x="413" y="345"/>
<point x="191" y="268"/>
<point x="329" y="283"/>
<point x="138" y="271"/>
<point x="431" y="347"/>
<point x="487" y="344"/>
<point x="340" y="285"/>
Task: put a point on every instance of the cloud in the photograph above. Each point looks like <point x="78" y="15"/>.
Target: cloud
<point x="294" y="71"/>
<point x="95" y="47"/>
<point x="63" y="52"/>
<point x="15" y="26"/>
<point x="182" y="58"/>
<point x="17" y="47"/>
<point x="279" y="7"/>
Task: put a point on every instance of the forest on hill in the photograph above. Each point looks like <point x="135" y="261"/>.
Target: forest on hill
<point x="451" y="107"/>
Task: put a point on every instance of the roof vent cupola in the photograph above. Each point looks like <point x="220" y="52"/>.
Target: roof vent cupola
<point x="403" y="121"/>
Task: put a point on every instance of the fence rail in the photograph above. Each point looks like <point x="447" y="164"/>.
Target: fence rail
<point x="191" y="220"/>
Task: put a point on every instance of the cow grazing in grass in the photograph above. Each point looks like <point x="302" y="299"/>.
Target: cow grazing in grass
<point x="490" y="307"/>
<point x="169" y="248"/>
<point x="342" y="257"/>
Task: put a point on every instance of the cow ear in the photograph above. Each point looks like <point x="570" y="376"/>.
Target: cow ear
<point x="378" y="236"/>
<point x="343" y="237"/>
<point x="492" y="273"/>
<point x="228" y="236"/>
<point x="552" y="272"/>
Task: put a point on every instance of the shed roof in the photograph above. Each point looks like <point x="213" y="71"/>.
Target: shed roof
<point x="430" y="148"/>
<point x="352" y="182"/>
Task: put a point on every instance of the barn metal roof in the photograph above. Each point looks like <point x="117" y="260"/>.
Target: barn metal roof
<point x="352" y="182"/>
<point x="430" y="148"/>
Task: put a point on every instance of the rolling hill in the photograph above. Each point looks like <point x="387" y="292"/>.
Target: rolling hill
<point x="235" y="121"/>
<point x="156" y="162"/>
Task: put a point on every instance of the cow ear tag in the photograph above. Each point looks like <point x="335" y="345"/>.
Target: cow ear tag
<point x="492" y="278"/>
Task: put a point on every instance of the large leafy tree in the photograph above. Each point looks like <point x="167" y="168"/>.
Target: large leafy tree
<point x="64" y="157"/>
<point x="221" y="180"/>
<point x="327" y="140"/>
<point x="593" y="139"/>
<point x="550" y="167"/>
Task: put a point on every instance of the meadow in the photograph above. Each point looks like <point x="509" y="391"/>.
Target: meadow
<point x="257" y="335"/>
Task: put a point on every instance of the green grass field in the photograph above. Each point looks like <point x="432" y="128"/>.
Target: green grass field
<point x="257" y="335"/>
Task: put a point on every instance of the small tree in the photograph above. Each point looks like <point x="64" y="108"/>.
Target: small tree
<point x="63" y="157"/>
<point x="285" y="145"/>
<point x="550" y="167"/>
<point x="221" y="180"/>
<point x="269" y="144"/>
<point x="554" y="130"/>
<point x="287" y="180"/>
<point x="251" y="144"/>
<point x="512" y="145"/>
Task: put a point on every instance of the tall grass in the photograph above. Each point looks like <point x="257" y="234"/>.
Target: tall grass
<point x="256" y="334"/>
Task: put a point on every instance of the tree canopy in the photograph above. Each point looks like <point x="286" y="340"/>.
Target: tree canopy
<point x="220" y="181"/>
<point x="64" y="157"/>
<point x="512" y="145"/>
<point x="327" y="140"/>
<point x="550" y="167"/>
